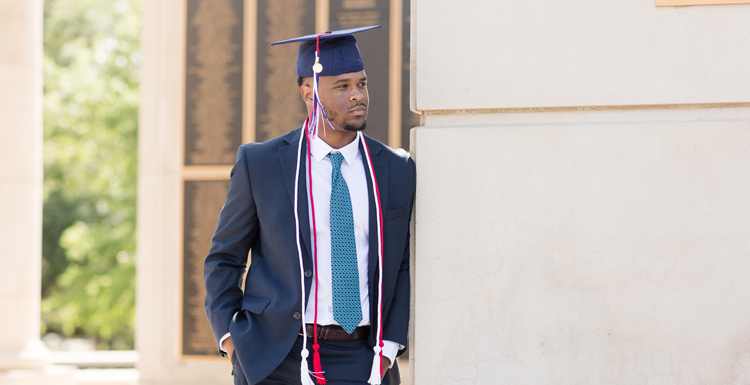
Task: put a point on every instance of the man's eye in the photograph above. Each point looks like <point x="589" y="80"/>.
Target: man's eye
<point x="363" y="84"/>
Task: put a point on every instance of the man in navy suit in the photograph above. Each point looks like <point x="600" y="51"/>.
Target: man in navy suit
<point x="327" y="240"/>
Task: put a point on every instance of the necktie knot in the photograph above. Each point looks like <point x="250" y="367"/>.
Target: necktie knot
<point x="336" y="159"/>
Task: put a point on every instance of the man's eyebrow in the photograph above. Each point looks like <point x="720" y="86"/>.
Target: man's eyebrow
<point x="346" y="80"/>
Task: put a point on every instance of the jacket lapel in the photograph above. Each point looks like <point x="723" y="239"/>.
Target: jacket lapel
<point x="288" y="158"/>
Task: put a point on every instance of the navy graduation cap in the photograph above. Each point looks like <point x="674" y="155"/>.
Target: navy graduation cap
<point x="338" y="52"/>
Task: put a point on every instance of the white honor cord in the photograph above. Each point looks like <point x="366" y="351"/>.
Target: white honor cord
<point x="376" y="362"/>
<point x="304" y="369"/>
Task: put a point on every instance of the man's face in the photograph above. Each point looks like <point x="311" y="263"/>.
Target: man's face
<point x="345" y="99"/>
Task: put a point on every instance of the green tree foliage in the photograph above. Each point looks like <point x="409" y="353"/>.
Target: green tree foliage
<point x="91" y="64"/>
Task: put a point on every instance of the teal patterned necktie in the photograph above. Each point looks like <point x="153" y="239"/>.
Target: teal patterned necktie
<point x="347" y="307"/>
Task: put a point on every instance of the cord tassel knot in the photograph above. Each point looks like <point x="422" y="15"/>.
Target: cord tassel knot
<point x="377" y="367"/>
<point x="317" y="367"/>
<point x="304" y="371"/>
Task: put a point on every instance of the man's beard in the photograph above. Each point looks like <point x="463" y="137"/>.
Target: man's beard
<point x="345" y="126"/>
<point x="353" y="128"/>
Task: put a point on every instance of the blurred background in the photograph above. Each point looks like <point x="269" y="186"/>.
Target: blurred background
<point x="91" y="70"/>
<point x="212" y="82"/>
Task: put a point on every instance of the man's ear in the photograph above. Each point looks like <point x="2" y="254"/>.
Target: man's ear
<point x="307" y="93"/>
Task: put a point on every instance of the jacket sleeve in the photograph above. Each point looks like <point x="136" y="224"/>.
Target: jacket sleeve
<point x="396" y="326"/>
<point x="227" y="259"/>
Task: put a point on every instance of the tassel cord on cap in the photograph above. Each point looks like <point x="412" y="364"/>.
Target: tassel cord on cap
<point x="317" y="107"/>
<point x="318" y="111"/>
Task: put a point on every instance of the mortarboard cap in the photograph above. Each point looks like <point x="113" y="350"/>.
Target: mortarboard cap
<point x="338" y="52"/>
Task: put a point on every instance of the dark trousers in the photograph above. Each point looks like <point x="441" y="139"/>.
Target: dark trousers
<point x="344" y="363"/>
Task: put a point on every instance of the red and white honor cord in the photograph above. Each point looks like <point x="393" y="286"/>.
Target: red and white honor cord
<point x="304" y="371"/>
<point x="377" y="369"/>
<point x="317" y="372"/>
<point x="310" y="131"/>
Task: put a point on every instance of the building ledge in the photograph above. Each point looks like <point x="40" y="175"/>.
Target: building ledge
<point x="97" y="359"/>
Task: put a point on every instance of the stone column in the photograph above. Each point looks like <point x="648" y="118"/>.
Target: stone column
<point x="583" y="193"/>
<point x="23" y="358"/>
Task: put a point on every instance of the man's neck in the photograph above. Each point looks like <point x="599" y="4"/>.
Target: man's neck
<point x="336" y="138"/>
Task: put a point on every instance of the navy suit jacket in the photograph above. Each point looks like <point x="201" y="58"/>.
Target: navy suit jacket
<point x="259" y="215"/>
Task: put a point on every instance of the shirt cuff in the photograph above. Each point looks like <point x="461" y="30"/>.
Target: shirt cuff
<point x="221" y="342"/>
<point x="390" y="350"/>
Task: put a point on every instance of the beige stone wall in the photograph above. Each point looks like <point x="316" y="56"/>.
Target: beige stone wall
<point x="581" y="245"/>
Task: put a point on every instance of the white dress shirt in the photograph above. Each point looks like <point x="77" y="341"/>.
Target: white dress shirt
<point x="353" y="171"/>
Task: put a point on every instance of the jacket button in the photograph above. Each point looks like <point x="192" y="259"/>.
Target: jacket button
<point x="297" y="315"/>
<point x="308" y="273"/>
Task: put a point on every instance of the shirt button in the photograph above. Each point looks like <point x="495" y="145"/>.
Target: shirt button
<point x="308" y="273"/>
<point x="330" y="308"/>
<point x="297" y="315"/>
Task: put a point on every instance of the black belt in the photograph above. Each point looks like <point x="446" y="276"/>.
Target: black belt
<point x="337" y="333"/>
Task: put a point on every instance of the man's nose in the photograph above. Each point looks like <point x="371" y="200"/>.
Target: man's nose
<point x="356" y="95"/>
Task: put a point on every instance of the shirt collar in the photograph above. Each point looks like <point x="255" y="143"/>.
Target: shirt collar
<point x="320" y="149"/>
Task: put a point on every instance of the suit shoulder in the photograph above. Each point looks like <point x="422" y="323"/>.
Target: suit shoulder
<point x="268" y="148"/>
<point x="400" y="164"/>
<point x="397" y="152"/>
<point x="394" y="154"/>
<point x="399" y="158"/>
